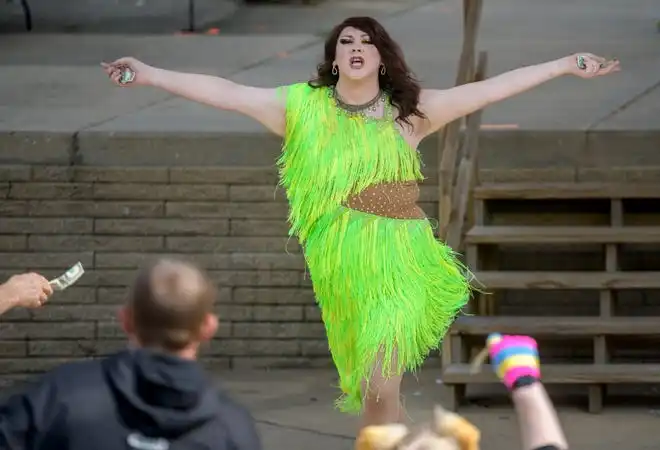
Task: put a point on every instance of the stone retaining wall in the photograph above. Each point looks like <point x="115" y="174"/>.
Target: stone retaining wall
<point x="114" y="204"/>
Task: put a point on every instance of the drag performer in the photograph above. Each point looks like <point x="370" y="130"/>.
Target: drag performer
<point x="387" y="289"/>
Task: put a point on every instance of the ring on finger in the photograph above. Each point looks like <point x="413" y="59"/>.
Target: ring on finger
<point x="581" y="62"/>
<point x="126" y="76"/>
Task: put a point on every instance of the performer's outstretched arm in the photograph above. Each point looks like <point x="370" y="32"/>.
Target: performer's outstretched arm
<point x="539" y="425"/>
<point x="444" y="106"/>
<point x="264" y="105"/>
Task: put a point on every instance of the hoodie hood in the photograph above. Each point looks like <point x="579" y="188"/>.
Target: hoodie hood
<point x="160" y="395"/>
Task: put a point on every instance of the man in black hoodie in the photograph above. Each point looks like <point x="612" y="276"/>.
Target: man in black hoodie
<point x="151" y="396"/>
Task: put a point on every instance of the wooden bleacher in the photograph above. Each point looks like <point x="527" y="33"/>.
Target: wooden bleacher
<point x="615" y="230"/>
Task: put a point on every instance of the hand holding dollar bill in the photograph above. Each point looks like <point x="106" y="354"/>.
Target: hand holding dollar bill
<point x="67" y="278"/>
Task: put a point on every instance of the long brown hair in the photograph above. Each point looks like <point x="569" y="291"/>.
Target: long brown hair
<point x="398" y="81"/>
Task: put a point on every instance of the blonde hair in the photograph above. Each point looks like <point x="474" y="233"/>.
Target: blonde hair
<point x="447" y="431"/>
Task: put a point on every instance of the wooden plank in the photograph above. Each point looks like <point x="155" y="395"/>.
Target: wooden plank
<point x="460" y="196"/>
<point x="448" y="147"/>
<point x="606" y="306"/>
<point x="446" y="175"/>
<point x="596" y="397"/>
<point x="563" y="374"/>
<point x="479" y="211"/>
<point x="464" y="181"/>
<point x="473" y="260"/>
<point x="556" y="326"/>
<point x="448" y="144"/>
<point x="562" y="235"/>
<point x="446" y="357"/>
<point x="538" y="191"/>
<point x="566" y="280"/>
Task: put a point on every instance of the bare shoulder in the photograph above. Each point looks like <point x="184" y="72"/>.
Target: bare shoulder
<point x="266" y="105"/>
<point x="278" y="102"/>
<point x="426" y="94"/>
<point x="409" y="132"/>
<point x="429" y="99"/>
<point x="418" y="127"/>
<point x="437" y="107"/>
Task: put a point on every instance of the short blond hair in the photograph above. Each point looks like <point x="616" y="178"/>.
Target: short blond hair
<point x="169" y="302"/>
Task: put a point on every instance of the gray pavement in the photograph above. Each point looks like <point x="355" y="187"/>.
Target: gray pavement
<point x="294" y="411"/>
<point x="53" y="81"/>
<point x="113" y="16"/>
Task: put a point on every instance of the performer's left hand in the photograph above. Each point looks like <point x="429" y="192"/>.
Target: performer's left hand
<point x="587" y="65"/>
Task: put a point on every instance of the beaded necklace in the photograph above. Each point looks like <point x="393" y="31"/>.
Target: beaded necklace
<point x="361" y="110"/>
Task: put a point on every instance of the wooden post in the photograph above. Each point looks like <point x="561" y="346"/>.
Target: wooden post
<point x="453" y="200"/>
<point x="449" y="142"/>
<point x="466" y="170"/>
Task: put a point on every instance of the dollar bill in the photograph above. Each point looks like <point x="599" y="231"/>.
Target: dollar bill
<point x="67" y="278"/>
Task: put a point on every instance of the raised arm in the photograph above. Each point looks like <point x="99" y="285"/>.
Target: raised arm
<point x="444" y="106"/>
<point x="29" y="290"/>
<point x="515" y="360"/>
<point x="261" y="104"/>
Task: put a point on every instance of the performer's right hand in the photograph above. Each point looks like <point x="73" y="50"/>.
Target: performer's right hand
<point x="143" y="72"/>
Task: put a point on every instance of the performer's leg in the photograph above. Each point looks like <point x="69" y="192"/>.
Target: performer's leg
<point x="382" y="402"/>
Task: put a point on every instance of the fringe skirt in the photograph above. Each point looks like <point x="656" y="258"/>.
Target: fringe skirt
<point x="388" y="291"/>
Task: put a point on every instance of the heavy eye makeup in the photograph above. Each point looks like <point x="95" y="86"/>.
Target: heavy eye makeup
<point x="346" y="41"/>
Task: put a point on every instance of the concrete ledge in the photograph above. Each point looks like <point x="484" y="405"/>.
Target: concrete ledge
<point x="607" y="148"/>
<point x="531" y="149"/>
<point x="36" y="147"/>
<point x="569" y="151"/>
<point x="177" y="149"/>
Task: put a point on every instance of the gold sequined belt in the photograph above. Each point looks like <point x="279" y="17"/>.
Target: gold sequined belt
<point x="395" y="200"/>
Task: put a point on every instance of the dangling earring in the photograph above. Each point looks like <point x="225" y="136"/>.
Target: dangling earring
<point x="382" y="69"/>
<point x="335" y="71"/>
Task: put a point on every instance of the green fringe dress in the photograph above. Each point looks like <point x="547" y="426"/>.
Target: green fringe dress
<point x="387" y="288"/>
